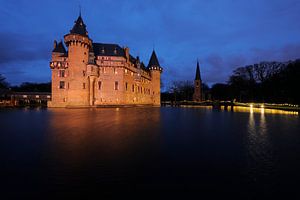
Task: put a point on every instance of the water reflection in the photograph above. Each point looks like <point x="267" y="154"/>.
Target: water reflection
<point x="111" y="132"/>
<point x="259" y="147"/>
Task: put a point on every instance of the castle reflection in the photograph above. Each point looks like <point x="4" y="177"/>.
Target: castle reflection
<point x="111" y="132"/>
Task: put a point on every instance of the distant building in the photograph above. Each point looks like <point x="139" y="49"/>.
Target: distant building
<point x="91" y="74"/>
<point x="197" y="85"/>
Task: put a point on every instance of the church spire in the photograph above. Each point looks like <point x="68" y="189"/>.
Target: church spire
<point x="198" y="76"/>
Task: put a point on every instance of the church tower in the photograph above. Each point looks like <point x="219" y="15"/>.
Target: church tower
<point x="197" y="85"/>
<point x="155" y="71"/>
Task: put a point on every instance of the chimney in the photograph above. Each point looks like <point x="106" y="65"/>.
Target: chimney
<point x="126" y="49"/>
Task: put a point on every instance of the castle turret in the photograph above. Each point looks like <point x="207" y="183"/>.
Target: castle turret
<point x="155" y="71"/>
<point x="197" y="85"/>
<point x="79" y="45"/>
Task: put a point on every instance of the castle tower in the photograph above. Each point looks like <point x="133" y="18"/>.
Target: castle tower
<point x="155" y="71"/>
<point x="197" y="85"/>
<point x="59" y="66"/>
<point x="79" y="45"/>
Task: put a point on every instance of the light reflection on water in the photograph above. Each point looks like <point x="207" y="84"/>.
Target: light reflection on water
<point x="150" y="150"/>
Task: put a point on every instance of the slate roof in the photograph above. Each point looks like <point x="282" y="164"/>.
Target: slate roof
<point x="153" y="60"/>
<point x="101" y="49"/>
<point x="79" y="27"/>
<point x="60" y="48"/>
<point x="198" y="76"/>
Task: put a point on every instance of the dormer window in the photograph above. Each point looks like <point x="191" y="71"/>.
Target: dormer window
<point x="102" y="50"/>
<point x="115" y="51"/>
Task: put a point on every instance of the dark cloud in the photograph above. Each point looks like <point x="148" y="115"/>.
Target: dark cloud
<point x="21" y="47"/>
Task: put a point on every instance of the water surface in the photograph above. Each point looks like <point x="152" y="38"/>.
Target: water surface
<point x="149" y="153"/>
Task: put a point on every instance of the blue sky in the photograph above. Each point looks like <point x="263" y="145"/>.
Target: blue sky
<point x="222" y="34"/>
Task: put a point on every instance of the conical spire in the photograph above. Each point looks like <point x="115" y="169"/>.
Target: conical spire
<point x="79" y="27"/>
<point x="198" y="76"/>
<point x="59" y="48"/>
<point x="153" y="60"/>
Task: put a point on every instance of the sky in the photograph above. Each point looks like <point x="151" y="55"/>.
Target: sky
<point x="221" y="34"/>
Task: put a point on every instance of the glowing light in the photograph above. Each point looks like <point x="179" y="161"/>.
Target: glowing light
<point x="251" y="105"/>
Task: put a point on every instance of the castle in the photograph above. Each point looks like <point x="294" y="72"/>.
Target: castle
<point x="98" y="74"/>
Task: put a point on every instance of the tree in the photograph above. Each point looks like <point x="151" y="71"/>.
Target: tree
<point x="3" y="83"/>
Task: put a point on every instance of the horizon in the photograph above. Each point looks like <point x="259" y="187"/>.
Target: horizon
<point x="190" y="30"/>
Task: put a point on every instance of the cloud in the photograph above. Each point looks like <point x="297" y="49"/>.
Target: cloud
<point x="17" y="47"/>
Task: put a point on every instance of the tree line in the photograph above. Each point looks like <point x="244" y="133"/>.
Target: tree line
<point x="272" y="82"/>
<point x="24" y="87"/>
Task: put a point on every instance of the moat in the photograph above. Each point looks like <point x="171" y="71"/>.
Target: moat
<point x="149" y="152"/>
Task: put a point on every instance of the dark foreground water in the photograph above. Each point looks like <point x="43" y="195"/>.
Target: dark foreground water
<point x="149" y="153"/>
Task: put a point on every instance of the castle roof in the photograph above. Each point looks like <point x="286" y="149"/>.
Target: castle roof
<point x="79" y="27"/>
<point x="153" y="60"/>
<point x="59" y="48"/>
<point x="101" y="49"/>
<point x="198" y="76"/>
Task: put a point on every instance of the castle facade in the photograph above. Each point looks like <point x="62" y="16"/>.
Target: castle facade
<point x="98" y="74"/>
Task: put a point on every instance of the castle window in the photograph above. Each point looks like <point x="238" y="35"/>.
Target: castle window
<point x="116" y="85"/>
<point x="83" y="73"/>
<point x="132" y="88"/>
<point x="115" y="71"/>
<point x="83" y="86"/>
<point x="99" y="85"/>
<point x="61" y="73"/>
<point x="126" y="71"/>
<point x="61" y="85"/>
<point x="126" y="86"/>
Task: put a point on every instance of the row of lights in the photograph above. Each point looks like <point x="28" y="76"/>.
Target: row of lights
<point x="59" y="64"/>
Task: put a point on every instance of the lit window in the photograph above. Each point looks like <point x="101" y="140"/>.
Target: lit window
<point x="126" y="71"/>
<point x="61" y="85"/>
<point x="116" y="85"/>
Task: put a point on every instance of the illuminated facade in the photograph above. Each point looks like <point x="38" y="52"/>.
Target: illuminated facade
<point x="95" y="74"/>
